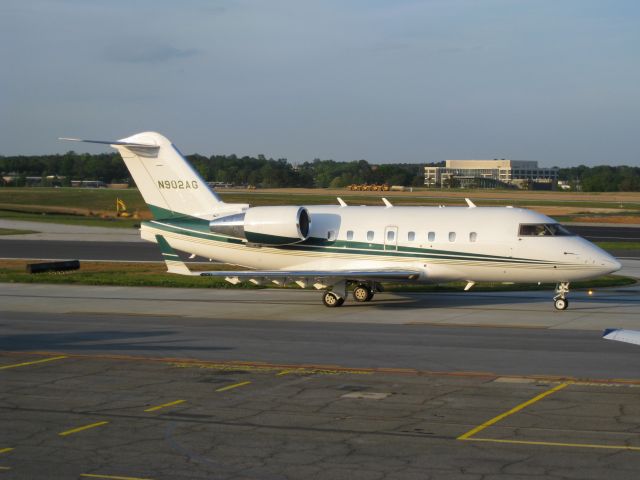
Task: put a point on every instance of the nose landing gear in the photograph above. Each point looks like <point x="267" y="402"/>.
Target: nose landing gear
<point x="559" y="300"/>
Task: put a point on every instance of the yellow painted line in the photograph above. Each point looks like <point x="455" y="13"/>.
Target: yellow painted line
<point x="111" y="477"/>
<point x="5" y="468"/>
<point x="5" y="450"/>
<point x="164" y="405"/>
<point x="80" y="429"/>
<point x="555" y="444"/>
<point x="283" y="372"/>
<point x="235" y="385"/>
<point x="24" y="364"/>
<point x="488" y="423"/>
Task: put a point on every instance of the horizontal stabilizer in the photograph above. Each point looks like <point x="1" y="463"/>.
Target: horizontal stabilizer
<point x="115" y="142"/>
<point x="622" y="335"/>
<point x="171" y="258"/>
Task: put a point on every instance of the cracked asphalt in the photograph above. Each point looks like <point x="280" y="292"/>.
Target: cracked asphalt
<point x="275" y="423"/>
<point x="141" y="383"/>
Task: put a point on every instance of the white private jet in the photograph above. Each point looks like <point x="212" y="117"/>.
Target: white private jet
<point x="332" y="246"/>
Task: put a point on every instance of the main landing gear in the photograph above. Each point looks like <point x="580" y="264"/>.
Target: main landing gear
<point x="332" y="299"/>
<point x="560" y="299"/>
<point x="361" y="293"/>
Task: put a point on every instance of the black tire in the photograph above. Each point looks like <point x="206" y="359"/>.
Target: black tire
<point x="331" y="300"/>
<point x="561" y="303"/>
<point x="362" y="293"/>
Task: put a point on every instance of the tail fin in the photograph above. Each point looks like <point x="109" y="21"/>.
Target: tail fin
<point x="167" y="182"/>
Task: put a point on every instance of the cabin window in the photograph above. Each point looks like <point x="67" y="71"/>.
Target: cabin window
<point x="543" y="230"/>
<point x="331" y="235"/>
<point x="370" y="235"/>
<point x="431" y="236"/>
<point x="452" y="236"/>
<point x="411" y="236"/>
<point x="349" y="234"/>
<point x="391" y="235"/>
<point x="473" y="236"/>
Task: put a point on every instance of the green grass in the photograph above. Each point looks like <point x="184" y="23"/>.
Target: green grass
<point x="619" y="245"/>
<point x="88" y="198"/>
<point x="15" y="231"/>
<point x="70" y="219"/>
<point x="154" y="275"/>
<point x="104" y="199"/>
<point x="31" y="203"/>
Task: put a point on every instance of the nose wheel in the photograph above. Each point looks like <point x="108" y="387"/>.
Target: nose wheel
<point x="560" y="299"/>
<point x="561" y="303"/>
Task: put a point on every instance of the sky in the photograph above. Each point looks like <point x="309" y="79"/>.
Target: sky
<point x="557" y="81"/>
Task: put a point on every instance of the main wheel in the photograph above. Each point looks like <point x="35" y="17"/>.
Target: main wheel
<point x="330" y="299"/>
<point x="561" y="303"/>
<point x="362" y="293"/>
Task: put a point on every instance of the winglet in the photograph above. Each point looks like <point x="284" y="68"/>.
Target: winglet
<point x="171" y="258"/>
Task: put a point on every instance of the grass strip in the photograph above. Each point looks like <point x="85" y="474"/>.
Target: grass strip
<point x="15" y="231"/>
<point x="155" y="275"/>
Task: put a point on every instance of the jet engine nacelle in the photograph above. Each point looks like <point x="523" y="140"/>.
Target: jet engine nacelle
<point x="266" y="225"/>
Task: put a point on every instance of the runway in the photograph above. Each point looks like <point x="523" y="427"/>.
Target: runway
<point x="501" y="333"/>
<point x="146" y="383"/>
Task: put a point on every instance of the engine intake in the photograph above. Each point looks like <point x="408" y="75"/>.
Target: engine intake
<point x="266" y="225"/>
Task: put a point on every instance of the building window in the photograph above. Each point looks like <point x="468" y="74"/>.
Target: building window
<point x="473" y="236"/>
<point x="411" y="236"/>
<point x="370" y="235"/>
<point x="391" y="236"/>
<point x="349" y="234"/>
<point x="452" y="236"/>
<point x="431" y="236"/>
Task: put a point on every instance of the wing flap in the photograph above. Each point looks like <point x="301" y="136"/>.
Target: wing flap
<point x="176" y="265"/>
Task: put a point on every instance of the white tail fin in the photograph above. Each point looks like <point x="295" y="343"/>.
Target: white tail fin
<point x="167" y="182"/>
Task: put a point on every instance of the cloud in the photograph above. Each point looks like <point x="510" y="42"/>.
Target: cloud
<point x="146" y="52"/>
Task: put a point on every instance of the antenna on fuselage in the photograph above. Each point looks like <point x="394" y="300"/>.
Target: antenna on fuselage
<point x="341" y="202"/>
<point x="387" y="202"/>
<point x="470" y="203"/>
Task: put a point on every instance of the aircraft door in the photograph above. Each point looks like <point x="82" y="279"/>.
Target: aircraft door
<point x="391" y="238"/>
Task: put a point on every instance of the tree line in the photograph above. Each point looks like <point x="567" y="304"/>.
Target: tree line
<point x="259" y="171"/>
<point x="276" y="173"/>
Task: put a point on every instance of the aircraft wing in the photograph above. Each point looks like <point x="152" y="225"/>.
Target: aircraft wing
<point x="622" y="335"/>
<point x="176" y="265"/>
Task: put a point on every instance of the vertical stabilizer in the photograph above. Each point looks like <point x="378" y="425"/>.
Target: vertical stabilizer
<point x="167" y="182"/>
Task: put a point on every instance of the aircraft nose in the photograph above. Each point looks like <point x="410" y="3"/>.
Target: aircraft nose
<point x="609" y="264"/>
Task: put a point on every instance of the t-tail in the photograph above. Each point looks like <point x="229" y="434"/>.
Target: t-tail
<point x="168" y="183"/>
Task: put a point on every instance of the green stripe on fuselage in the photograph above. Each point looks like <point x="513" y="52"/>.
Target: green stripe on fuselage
<point x="199" y="228"/>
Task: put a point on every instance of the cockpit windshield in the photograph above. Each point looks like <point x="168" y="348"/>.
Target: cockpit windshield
<point x="543" y="230"/>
